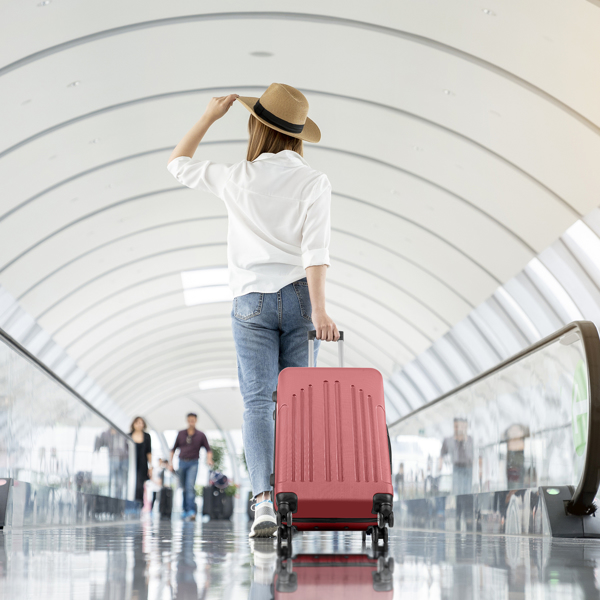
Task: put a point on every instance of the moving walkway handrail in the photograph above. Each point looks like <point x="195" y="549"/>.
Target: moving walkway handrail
<point x="582" y="501"/>
<point x="10" y="341"/>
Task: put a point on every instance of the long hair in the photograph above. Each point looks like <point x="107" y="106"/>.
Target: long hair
<point x="264" y="139"/>
<point x="131" y="430"/>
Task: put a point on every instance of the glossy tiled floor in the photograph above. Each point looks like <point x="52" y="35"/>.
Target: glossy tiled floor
<point x="159" y="560"/>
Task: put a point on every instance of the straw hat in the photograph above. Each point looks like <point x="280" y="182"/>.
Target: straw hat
<point x="285" y="109"/>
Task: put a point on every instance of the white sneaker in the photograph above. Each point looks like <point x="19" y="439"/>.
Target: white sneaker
<point x="265" y="523"/>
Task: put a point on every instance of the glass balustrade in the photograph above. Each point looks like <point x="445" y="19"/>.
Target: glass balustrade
<point x="53" y="445"/>
<point x="524" y="424"/>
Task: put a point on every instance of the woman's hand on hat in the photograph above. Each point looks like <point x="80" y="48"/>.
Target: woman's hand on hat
<point x="218" y="106"/>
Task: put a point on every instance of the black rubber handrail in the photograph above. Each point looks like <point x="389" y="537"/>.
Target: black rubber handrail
<point x="582" y="501"/>
<point x="10" y="341"/>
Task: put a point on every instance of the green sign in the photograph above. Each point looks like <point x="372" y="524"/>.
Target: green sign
<point x="579" y="408"/>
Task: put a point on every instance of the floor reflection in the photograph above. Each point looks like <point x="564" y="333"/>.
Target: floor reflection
<point x="338" y="575"/>
<point x="166" y="560"/>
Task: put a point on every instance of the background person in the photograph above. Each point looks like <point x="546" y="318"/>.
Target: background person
<point x="143" y="447"/>
<point x="118" y="456"/>
<point x="399" y="480"/>
<point x="278" y="253"/>
<point x="158" y="480"/>
<point x="459" y="448"/>
<point x="515" y="437"/>
<point x="189" y="441"/>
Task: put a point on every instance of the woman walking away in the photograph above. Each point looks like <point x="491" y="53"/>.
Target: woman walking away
<point x="278" y="254"/>
<point x="143" y="448"/>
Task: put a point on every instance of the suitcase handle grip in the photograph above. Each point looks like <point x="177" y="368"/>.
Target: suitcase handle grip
<point x="312" y="335"/>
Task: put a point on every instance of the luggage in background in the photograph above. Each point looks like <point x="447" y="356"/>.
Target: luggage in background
<point x="332" y="452"/>
<point x="165" y="502"/>
<point x="216" y="503"/>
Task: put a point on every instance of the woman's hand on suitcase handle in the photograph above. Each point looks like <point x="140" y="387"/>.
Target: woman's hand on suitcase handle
<point x="325" y="327"/>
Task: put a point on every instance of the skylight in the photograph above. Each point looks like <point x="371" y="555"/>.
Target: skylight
<point x="204" y="286"/>
<point x="213" y="384"/>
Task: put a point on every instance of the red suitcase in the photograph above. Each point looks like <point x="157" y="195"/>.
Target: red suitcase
<point x="332" y="467"/>
<point x="339" y="577"/>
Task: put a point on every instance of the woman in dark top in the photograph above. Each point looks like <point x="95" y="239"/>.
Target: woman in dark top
<point x="143" y="447"/>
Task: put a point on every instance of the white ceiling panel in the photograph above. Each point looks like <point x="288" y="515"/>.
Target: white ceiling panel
<point x="459" y="145"/>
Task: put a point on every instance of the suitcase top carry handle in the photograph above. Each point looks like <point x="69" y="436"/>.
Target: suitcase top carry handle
<point x="312" y="335"/>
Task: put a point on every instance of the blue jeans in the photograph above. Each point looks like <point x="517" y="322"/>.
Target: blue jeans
<point x="270" y="334"/>
<point x="188" y="469"/>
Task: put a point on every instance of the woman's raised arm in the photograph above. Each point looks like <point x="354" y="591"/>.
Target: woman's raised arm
<point x="216" y="109"/>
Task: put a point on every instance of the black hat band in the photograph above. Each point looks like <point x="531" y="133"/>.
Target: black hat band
<point x="270" y="118"/>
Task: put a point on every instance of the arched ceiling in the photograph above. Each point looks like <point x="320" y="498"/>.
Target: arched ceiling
<point x="460" y="140"/>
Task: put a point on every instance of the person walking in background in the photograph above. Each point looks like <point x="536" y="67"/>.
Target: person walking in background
<point x="399" y="480"/>
<point x="118" y="456"/>
<point x="158" y="480"/>
<point x="278" y="254"/>
<point x="459" y="447"/>
<point x="515" y="437"/>
<point x="190" y="441"/>
<point x="143" y="447"/>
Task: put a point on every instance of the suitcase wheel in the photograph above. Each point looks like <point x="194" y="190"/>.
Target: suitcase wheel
<point x="284" y="533"/>
<point x="379" y="533"/>
<point x="375" y="536"/>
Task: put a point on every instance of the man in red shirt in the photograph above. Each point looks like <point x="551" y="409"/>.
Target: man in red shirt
<point x="189" y="441"/>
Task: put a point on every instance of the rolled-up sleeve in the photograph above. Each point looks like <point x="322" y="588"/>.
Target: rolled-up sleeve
<point x="316" y="231"/>
<point x="202" y="175"/>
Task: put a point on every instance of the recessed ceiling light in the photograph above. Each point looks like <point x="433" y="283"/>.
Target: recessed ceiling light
<point x="449" y="92"/>
<point x="487" y="11"/>
<point x="74" y="84"/>
<point x="261" y="54"/>
<point x="44" y="2"/>
<point x="95" y="141"/>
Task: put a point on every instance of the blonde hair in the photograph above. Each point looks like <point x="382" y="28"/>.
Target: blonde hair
<point x="264" y="139"/>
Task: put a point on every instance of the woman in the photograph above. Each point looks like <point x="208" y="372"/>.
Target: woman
<point x="278" y="254"/>
<point x="143" y="448"/>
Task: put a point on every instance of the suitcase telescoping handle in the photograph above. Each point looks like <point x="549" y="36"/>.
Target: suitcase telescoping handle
<point x="312" y="335"/>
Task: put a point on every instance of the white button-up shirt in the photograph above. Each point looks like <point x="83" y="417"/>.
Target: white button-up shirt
<point x="279" y="216"/>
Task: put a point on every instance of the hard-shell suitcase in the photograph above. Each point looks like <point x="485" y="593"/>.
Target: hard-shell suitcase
<point x="332" y="467"/>
<point x="344" y="576"/>
<point x="165" y="502"/>
<point x="217" y="504"/>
